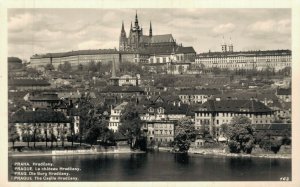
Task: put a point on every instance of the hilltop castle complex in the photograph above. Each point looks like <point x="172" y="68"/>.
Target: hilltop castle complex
<point x="163" y="52"/>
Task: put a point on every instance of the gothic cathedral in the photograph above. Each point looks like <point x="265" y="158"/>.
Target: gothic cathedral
<point x="136" y="39"/>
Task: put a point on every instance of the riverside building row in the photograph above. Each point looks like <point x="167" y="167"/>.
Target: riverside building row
<point x="159" y="117"/>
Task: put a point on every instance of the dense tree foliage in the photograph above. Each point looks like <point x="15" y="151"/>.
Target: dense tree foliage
<point x="165" y="80"/>
<point x="13" y="135"/>
<point x="240" y="134"/>
<point x="49" y="67"/>
<point x="92" y="66"/>
<point x="267" y="141"/>
<point x="184" y="134"/>
<point x="271" y="145"/>
<point x="99" y="131"/>
<point x="80" y="67"/>
<point x="131" y="125"/>
<point x="14" y="60"/>
<point x="131" y="68"/>
<point x="85" y="112"/>
<point x="92" y="127"/>
<point x="65" y="67"/>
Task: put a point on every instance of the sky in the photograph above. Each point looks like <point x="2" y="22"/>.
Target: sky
<point x="38" y="31"/>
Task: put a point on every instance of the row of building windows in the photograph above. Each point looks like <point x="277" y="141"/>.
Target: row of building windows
<point x="219" y="61"/>
<point x="163" y="126"/>
<point x="275" y="58"/>
<point x="218" y="122"/>
<point x="227" y="114"/>
<point x="113" y="124"/>
<point x="164" y="132"/>
<point x="165" y="59"/>
<point x="114" y="118"/>
<point x="163" y="139"/>
<point x="193" y="96"/>
<point x="248" y="65"/>
<point x="44" y="124"/>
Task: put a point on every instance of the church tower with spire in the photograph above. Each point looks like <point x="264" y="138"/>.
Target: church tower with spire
<point x="137" y="40"/>
<point x="150" y="30"/>
<point x="135" y="34"/>
<point x="224" y="46"/>
<point x="123" y="39"/>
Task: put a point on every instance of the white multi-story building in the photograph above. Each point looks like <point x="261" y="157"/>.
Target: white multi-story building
<point x="167" y="54"/>
<point x="45" y="124"/>
<point x="160" y="131"/>
<point x="160" y="118"/>
<point x="213" y="113"/>
<point x="234" y="60"/>
<point x="197" y="96"/>
<point x="115" y="117"/>
<point x="75" y="58"/>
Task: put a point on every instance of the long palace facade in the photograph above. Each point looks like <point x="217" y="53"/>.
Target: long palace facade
<point x="83" y="57"/>
<point x="234" y="60"/>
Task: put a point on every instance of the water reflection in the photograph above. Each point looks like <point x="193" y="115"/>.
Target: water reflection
<point x="181" y="158"/>
<point x="158" y="166"/>
<point x="240" y="163"/>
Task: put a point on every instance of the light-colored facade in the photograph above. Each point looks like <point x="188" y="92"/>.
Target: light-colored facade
<point x="127" y="80"/>
<point x="165" y="58"/>
<point x="177" y="68"/>
<point x="83" y="57"/>
<point x="45" y="123"/>
<point x="160" y="131"/>
<point x="115" y="117"/>
<point x="76" y="123"/>
<point x="196" y="96"/>
<point x="212" y="114"/>
<point x="160" y="118"/>
<point x="161" y="114"/>
<point x="258" y="60"/>
<point x="59" y="130"/>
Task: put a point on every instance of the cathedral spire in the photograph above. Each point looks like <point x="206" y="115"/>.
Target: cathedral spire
<point x="123" y="30"/>
<point x="150" y="30"/>
<point x="136" y="17"/>
<point x="136" y="23"/>
<point x="123" y="33"/>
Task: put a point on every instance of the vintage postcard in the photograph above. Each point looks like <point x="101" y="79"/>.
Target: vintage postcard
<point x="140" y="93"/>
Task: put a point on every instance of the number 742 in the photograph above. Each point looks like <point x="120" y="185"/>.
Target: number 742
<point x="284" y="178"/>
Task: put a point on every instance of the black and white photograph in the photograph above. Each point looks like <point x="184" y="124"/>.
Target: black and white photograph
<point x="149" y="95"/>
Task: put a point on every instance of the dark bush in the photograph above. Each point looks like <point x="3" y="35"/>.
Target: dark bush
<point x="234" y="147"/>
<point x="275" y="146"/>
<point x="271" y="145"/>
<point x="286" y="141"/>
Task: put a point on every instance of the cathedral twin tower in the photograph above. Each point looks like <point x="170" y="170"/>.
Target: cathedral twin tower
<point x="136" y="39"/>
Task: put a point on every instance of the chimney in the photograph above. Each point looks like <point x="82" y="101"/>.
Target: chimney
<point x="70" y="103"/>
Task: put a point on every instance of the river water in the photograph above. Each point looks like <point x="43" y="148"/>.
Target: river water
<point x="162" y="166"/>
